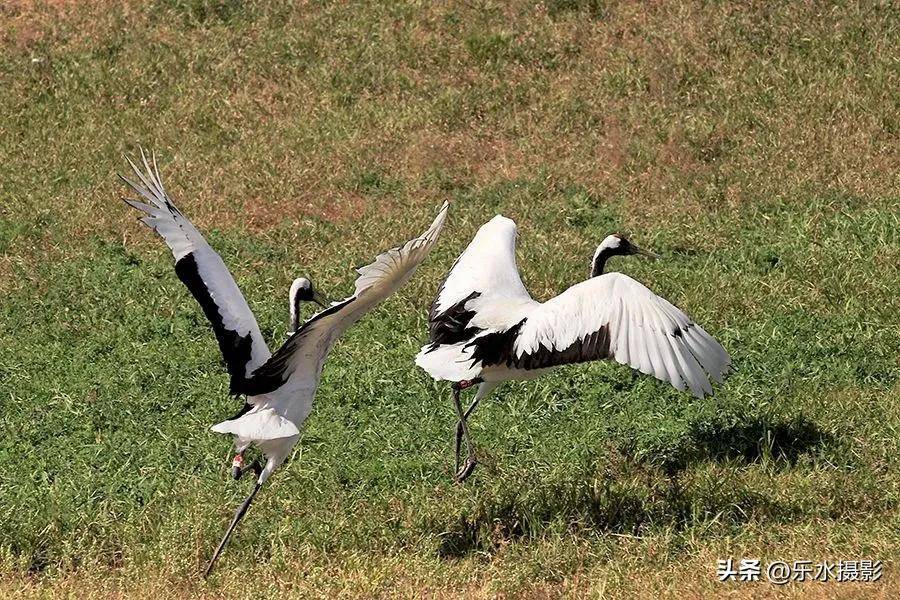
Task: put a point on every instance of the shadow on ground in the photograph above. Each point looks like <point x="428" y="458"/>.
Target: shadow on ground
<point x="759" y="437"/>
<point x="728" y="438"/>
<point x="623" y="491"/>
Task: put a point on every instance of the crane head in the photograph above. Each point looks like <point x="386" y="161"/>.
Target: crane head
<point x="615" y="244"/>
<point x="302" y="290"/>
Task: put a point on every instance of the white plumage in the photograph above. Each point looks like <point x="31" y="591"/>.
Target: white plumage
<point x="485" y="328"/>
<point x="190" y="250"/>
<point x="279" y="387"/>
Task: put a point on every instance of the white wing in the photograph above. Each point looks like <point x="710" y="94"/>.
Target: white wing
<point x="484" y="277"/>
<point x="614" y="316"/>
<point x="205" y="275"/>
<point x="299" y="361"/>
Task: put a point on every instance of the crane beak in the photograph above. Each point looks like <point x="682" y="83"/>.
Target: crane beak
<point x="320" y="300"/>
<point x="238" y="515"/>
<point x="642" y="252"/>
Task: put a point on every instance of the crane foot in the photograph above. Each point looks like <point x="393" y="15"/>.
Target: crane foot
<point x="466" y="469"/>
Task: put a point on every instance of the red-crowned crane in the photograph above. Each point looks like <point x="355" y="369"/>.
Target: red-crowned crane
<point x="279" y="388"/>
<point x="485" y="328"/>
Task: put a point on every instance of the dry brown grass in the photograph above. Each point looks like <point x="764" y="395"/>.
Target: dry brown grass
<point x="645" y="107"/>
<point x="407" y="577"/>
<point x="26" y="24"/>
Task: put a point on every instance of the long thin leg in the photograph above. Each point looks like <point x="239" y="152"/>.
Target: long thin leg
<point x="459" y="426"/>
<point x="238" y="515"/>
<point x="462" y="426"/>
<point x="462" y="473"/>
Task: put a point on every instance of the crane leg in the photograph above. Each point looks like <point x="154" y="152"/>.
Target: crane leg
<point x="462" y="430"/>
<point x="238" y="515"/>
<point x="238" y="470"/>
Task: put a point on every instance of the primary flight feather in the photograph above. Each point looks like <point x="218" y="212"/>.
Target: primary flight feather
<point x="485" y="328"/>
<point x="279" y="388"/>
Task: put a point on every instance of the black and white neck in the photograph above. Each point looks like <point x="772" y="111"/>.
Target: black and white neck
<point x="301" y="291"/>
<point x="612" y="245"/>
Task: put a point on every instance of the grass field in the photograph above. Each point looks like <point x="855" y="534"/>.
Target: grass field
<point x="753" y="146"/>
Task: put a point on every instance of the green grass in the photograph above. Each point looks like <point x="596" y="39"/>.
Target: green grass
<point x="754" y="149"/>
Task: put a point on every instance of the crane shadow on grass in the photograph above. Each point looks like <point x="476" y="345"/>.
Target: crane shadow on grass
<point x="759" y="438"/>
<point x="622" y="491"/>
<point x="780" y="442"/>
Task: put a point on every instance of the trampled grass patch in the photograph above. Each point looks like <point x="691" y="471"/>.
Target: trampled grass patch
<point x="754" y="149"/>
